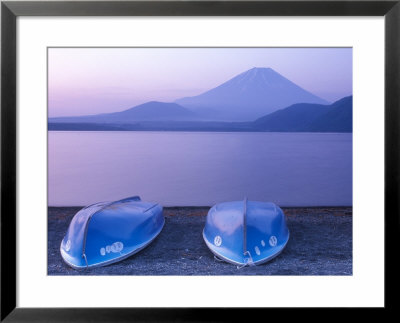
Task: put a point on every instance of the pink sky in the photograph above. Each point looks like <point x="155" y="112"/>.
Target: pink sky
<point x="85" y="81"/>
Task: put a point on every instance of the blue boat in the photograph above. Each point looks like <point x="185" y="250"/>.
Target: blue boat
<point x="107" y="232"/>
<point x="246" y="232"/>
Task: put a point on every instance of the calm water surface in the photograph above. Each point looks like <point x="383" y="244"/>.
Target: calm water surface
<point x="200" y="168"/>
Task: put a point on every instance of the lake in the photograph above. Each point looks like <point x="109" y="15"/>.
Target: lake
<point x="200" y="168"/>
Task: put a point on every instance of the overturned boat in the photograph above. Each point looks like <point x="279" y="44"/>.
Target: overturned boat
<point x="246" y="232"/>
<point x="107" y="232"/>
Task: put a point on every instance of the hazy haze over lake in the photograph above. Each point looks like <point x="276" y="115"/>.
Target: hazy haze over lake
<point x="200" y="168"/>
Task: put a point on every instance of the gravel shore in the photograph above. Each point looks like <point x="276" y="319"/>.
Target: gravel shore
<point x="320" y="244"/>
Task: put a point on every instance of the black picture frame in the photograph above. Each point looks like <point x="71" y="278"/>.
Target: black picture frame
<point x="11" y="10"/>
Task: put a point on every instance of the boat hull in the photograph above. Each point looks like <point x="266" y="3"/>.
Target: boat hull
<point x="246" y="232"/>
<point x="104" y="233"/>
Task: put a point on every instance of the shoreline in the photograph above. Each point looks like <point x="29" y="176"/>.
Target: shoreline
<point x="320" y="244"/>
<point x="197" y="131"/>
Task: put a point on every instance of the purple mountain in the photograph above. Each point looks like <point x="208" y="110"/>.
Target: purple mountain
<point x="150" y="111"/>
<point x="248" y="96"/>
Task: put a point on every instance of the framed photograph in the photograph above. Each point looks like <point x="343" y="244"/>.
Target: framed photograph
<point x="177" y="154"/>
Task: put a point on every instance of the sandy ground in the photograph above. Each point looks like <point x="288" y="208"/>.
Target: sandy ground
<point x="320" y="244"/>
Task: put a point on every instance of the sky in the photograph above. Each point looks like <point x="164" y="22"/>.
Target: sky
<point x="84" y="81"/>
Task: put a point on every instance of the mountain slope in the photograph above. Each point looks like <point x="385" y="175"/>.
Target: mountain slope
<point x="337" y="117"/>
<point x="150" y="111"/>
<point x="297" y="117"/>
<point x="249" y="95"/>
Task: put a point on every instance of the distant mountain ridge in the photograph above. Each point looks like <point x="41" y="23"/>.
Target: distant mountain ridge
<point x="339" y="118"/>
<point x="303" y="117"/>
<point x="150" y="111"/>
<point x="249" y="95"/>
